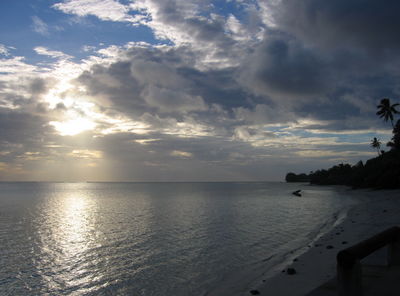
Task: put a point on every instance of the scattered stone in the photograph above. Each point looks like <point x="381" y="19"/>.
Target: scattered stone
<point x="344" y="242"/>
<point x="295" y="259"/>
<point x="384" y="211"/>
<point x="263" y="281"/>
<point x="291" y="271"/>
<point x="255" y="292"/>
<point x="318" y="245"/>
<point x="329" y="247"/>
<point x="283" y="270"/>
<point x="337" y="233"/>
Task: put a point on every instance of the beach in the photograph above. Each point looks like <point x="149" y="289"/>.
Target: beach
<point x="377" y="211"/>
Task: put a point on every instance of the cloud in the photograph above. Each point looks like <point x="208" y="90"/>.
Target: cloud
<point x="51" y="53"/>
<point x="366" y="25"/>
<point x="39" y="26"/>
<point x="282" y="66"/>
<point x="106" y="10"/>
<point x="21" y="129"/>
<point x="190" y="23"/>
<point x="183" y="154"/>
<point x="244" y="95"/>
<point x="15" y="65"/>
<point x="5" y="50"/>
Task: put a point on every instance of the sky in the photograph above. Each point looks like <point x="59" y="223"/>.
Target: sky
<point x="192" y="90"/>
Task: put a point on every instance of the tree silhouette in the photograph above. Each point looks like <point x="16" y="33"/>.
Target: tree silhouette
<point x="376" y="144"/>
<point x="395" y="142"/>
<point x="386" y="110"/>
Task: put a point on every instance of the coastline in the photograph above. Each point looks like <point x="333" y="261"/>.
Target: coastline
<point x="376" y="211"/>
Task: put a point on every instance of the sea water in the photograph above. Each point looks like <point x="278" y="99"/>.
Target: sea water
<point x="154" y="238"/>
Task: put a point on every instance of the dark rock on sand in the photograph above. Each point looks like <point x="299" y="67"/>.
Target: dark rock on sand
<point x="291" y="271"/>
<point x="255" y="292"/>
<point x="329" y="247"/>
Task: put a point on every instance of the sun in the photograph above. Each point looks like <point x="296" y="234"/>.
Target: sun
<point x="73" y="127"/>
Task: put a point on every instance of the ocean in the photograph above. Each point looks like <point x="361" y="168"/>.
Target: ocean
<point x="156" y="238"/>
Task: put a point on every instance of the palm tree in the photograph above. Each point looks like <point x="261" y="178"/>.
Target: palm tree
<point x="386" y="110"/>
<point x="395" y="142"/>
<point x="376" y="144"/>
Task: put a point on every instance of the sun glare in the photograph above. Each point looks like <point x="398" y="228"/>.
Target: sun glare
<point x="73" y="127"/>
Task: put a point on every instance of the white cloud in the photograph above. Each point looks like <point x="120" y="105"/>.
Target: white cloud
<point x="40" y="26"/>
<point x="16" y="65"/>
<point x="51" y="53"/>
<point x="107" y="10"/>
<point x="183" y="154"/>
<point x="316" y="153"/>
<point x="4" y="50"/>
<point x="217" y="41"/>
<point x="88" y="48"/>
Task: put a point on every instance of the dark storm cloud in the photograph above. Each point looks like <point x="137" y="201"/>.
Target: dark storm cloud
<point x="367" y="24"/>
<point x="114" y="83"/>
<point x="218" y="87"/>
<point x="21" y="133"/>
<point x="282" y="65"/>
<point x="20" y="127"/>
<point x="328" y="60"/>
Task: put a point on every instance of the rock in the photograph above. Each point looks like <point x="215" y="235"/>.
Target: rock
<point x="344" y="242"/>
<point x="291" y="271"/>
<point x="329" y="247"/>
<point x="255" y="292"/>
<point x="297" y="192"/>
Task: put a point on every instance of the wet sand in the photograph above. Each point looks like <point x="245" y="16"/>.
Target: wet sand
<point x="377" y="211"/>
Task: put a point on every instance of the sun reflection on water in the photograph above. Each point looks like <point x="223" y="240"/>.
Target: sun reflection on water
<point x="75" y="224"/>
<point x="67" y="239"/>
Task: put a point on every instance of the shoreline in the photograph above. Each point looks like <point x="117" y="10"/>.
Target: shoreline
<point x="375" y="212"/>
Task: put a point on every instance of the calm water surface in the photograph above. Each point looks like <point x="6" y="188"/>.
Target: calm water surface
<point x="153" y="238"/>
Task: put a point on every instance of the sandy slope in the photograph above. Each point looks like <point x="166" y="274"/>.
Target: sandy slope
<point x="378" y="211"/>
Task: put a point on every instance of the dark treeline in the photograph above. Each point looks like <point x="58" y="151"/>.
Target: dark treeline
<point x="382" y="171"/>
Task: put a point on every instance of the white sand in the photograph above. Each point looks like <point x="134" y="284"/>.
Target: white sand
<point x="378" y="211"/>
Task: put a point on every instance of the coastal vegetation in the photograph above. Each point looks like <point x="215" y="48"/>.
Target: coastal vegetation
<point x="382" y="171"/>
